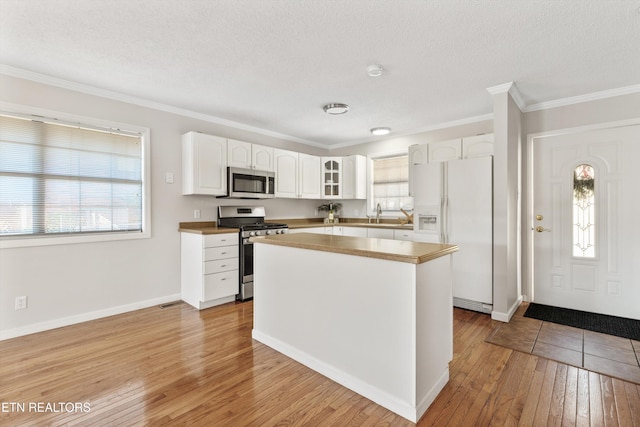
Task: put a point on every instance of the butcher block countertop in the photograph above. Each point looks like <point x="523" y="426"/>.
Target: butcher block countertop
<point x="391" y="250"/>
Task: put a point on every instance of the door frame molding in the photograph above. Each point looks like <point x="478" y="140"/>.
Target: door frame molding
<point x="527" y="219"/>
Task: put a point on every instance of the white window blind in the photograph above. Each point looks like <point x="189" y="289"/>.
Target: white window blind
<point x="391" y="183"/>
<point x="60" y="179"/>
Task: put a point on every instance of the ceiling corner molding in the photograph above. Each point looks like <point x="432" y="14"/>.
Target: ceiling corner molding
<point x="445" y="125"/>
<point x="627" y="90"/>
<point x="104" y="93"/>
<point x="512" y="89"/>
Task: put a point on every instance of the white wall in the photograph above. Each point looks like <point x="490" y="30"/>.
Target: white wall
<point x="75" y="282"/>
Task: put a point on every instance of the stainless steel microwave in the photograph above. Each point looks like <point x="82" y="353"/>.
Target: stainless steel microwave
<point x="250" y="184"/>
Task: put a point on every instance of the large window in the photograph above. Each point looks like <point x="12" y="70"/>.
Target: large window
<point x="61" y="179"/>
<point x="391" y="183"/>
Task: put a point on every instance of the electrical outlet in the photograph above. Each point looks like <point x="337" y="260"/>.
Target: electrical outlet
<point x="316" y="212"/>
<point x="21" y="303"/>
<point x="196" y="213"/>
<point x="168" y="178"/>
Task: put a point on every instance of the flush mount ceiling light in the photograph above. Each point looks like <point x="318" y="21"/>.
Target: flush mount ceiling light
<point x="374" y="70"/>
<point x="380" y="131"/>
<point x="335" y="109"/>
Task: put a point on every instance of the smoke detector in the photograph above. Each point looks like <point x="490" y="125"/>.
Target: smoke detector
<point x="374" y="70"/>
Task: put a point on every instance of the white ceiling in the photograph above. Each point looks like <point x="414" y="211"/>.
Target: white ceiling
<point x="273" y="64"/>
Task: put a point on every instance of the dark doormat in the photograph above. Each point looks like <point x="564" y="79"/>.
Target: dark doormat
<point x="610" y="325"/>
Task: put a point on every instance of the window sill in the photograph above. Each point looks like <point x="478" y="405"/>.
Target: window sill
<point x="24" y="242"/>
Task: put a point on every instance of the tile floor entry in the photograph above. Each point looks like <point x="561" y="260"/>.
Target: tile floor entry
<point x="606" y="354"/>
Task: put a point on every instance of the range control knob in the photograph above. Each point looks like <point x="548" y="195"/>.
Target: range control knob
<point x="252" y="233"/>
<point x="268" y="232"/>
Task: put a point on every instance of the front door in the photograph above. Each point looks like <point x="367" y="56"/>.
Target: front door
<point x="586" y="221"/>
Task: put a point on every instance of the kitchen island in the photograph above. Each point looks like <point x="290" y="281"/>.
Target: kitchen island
<point x="374" y="315"/>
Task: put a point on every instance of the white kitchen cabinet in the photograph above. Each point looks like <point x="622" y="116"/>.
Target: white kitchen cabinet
<point x="209" y="268"/>
<point x="441" y="151"/>
<point x="331" y="177"/>
<point x="286" y="169"/>
<point x="354" y="177"/>
<point x="297" y="175"/>
<point x="354" y="231"/>
<point x="316" y="230"/>
<point x="380" y="233"/>
<point x="308" y="176"/>
<point x="204" y="164"/>
<point x="477" y="146"/>
<point x="245" y="155"/>
<point x="418" y="155"/>
<point x="407" y="235"/>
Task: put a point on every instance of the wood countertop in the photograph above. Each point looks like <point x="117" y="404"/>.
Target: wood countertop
<point x="392" y="250"/>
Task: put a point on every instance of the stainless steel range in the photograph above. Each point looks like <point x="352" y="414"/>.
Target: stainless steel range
<point x="250" y="221"/>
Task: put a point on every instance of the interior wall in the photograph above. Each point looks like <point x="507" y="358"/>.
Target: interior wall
<point x="74" y="282"/>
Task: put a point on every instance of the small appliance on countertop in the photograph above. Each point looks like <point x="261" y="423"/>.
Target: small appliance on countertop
<point x="250" y="221"/>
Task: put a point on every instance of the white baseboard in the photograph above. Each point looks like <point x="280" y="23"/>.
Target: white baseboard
<point x="505" y="317"/>
<point x="84" y="317"/>
<point x="382" y="398"/>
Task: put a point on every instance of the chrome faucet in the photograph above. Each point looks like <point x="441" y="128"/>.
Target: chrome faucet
<point x="378" y="212"/>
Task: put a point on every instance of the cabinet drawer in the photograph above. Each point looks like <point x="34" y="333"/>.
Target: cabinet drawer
<point x="220" y="252"/>
<point x="226" y="239"/>
<point x="220" y="265"/>
<point x="220" y="285"/>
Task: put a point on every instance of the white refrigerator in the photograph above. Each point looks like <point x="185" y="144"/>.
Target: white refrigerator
<point x="453" y="203"/>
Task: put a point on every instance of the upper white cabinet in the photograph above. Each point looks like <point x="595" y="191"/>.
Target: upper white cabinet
<point x="354" y="177"/>
<point x="441" y="151"/>
<point x="245" y="155"/>
<point x="308" y="176"/>
<point x="332" y="177"/>
<point x="297" y="175"/>
<point x="286" y="169"/>
<point x="477" y="146"/>
<point x="418" y="154"/>
<point x="204" y="164"/>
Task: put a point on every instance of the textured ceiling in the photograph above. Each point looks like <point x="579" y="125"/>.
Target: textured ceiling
<point x="273" y="64"/>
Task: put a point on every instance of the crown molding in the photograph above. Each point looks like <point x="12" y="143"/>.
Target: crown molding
<point x="104" y="93"/>
<point x="512" y="89"/>
<point x="445" y="125"/>
<point x="627" y="90"/>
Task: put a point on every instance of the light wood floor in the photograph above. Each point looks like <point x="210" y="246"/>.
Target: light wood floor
<point x="178" y="366"/>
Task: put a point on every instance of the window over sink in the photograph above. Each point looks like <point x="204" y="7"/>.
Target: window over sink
<point x="390" y="184"/>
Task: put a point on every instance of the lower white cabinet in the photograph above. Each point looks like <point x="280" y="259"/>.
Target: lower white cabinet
<point x="317" y="230"/>
<point x="380" y="233"/>
<point x="354" y="231"/>
<point x="209" y="268"/>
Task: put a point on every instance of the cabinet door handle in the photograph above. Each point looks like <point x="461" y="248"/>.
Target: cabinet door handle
<point x="223" y="253"/>
<point x="224" y="265"/>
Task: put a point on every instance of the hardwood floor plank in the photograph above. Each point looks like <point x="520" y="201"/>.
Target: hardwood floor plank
<point x="596" y="411"/>
<point x="582" y="403"/>
<point x="570" y="397"/>
<point x="633" y="397"/>
<point x="556" y="406"/>
<point x="622" y="403"/>
<point x="532" y="395"/>
<point x="609" y="402"/>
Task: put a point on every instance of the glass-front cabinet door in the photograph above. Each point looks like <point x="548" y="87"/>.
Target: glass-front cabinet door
<point x="331" y="177"/>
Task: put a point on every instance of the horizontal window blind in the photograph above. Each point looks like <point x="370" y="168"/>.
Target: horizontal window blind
<point x="57" y="179"/>
<point x="391" y="183"/>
